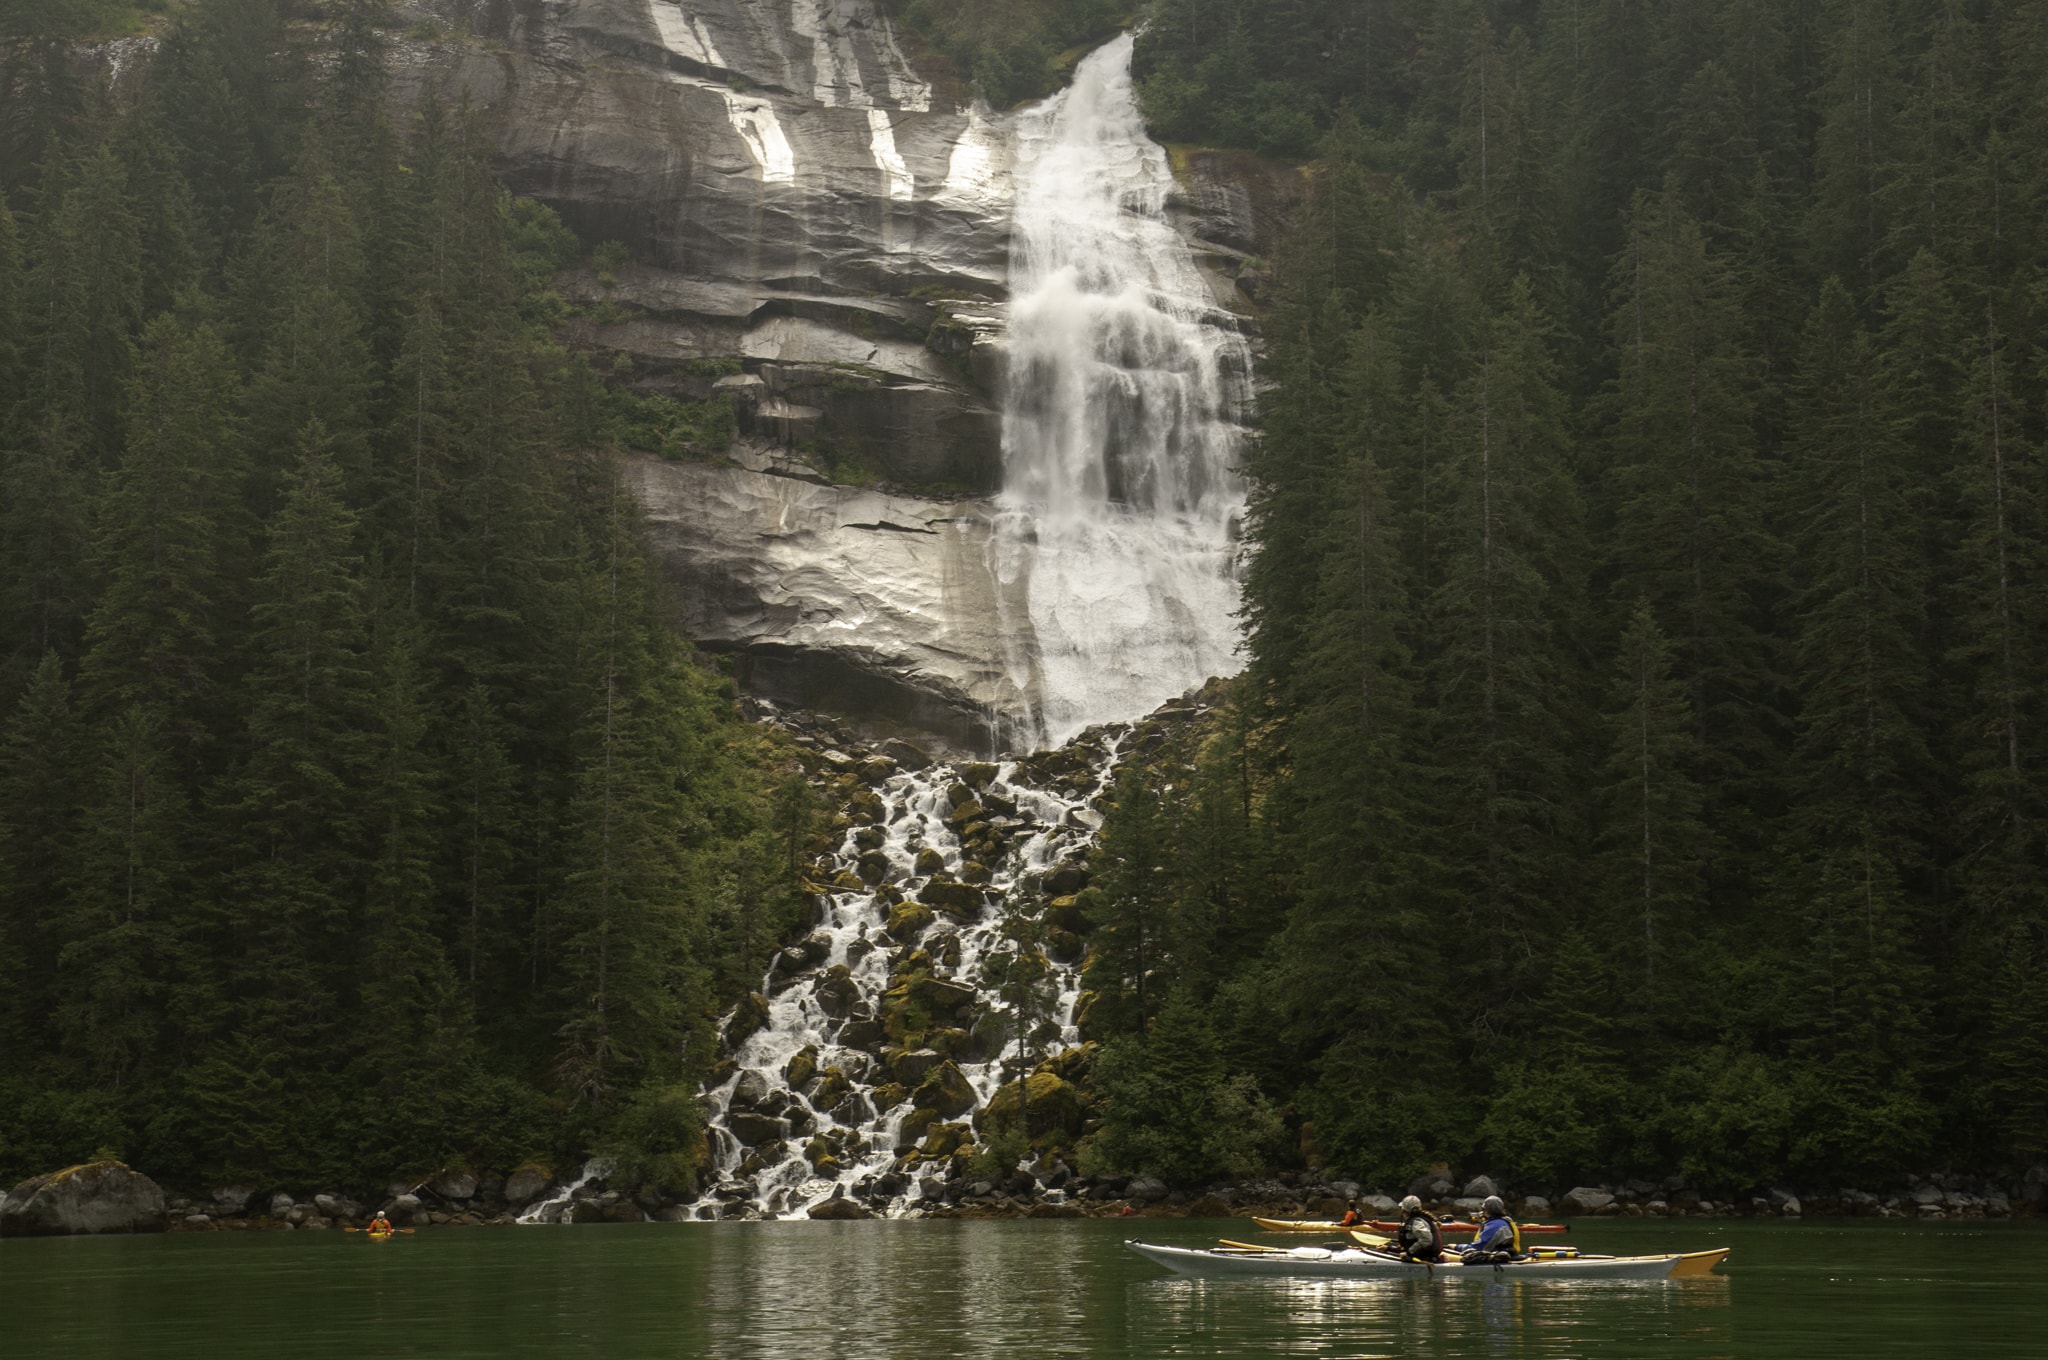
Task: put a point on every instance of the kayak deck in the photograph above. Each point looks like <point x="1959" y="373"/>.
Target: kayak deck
<point x="1319" y="1263"/>
<point x="1312" y="1225"/>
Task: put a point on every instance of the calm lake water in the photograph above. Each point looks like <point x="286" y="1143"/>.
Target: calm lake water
<point x="907" y="1291"/>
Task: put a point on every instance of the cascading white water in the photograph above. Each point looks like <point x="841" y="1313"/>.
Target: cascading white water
<point x="1121" y="422"/>
<point x="769" y="1119"/>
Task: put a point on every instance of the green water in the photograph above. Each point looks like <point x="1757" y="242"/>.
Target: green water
<point x="907" y="1291"/>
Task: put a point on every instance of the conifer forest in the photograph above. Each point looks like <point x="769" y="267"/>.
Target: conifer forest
<point x="1637" y="764"/>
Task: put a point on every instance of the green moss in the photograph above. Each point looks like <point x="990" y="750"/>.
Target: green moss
<point x="676" y="430"/>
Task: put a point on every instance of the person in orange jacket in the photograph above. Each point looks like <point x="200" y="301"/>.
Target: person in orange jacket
<point x="380" y="1224"/>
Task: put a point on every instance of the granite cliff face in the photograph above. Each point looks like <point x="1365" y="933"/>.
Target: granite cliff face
<point x="797" y="196"/>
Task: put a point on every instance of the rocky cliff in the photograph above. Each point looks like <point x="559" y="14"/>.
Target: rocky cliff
<point x="820" y="233"/>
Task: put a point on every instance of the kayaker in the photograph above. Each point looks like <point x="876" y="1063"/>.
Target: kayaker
<point x="1420" y="1237"/>
<point x="380" y="1224"/>
<point x="1499" y="1240"/>
<point x="1352" y="1218"/>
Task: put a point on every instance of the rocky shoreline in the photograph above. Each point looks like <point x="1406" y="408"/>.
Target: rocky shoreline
<point x="107" y="1197"/>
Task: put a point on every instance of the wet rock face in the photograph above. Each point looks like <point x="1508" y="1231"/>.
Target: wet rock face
<point x="799" y="197"/>
<point x="822" y="237"/>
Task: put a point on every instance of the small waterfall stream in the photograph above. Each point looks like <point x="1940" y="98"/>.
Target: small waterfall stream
<point x="1122" y="429"/>
<point x="944" y="869"/>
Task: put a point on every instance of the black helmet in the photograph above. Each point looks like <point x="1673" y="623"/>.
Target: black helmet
<point x="1494" y="1208"/>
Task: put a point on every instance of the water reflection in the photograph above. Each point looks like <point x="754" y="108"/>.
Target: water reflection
<point x="1523" y="1320"/>
<point x="971" y="1290"/>
<point x="991" y="1291"/>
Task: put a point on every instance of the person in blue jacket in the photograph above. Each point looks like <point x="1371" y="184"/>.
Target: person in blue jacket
<point x="1499" y="1239"/>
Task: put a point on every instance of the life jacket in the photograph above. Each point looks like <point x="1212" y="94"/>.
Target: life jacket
<point x="1420" y="1234"/>
<point x="1493" y="1241"/>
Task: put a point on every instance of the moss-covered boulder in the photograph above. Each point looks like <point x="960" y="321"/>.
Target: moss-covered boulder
<point x="953" y="897"/>
<point x="827" y="1089"/>
<point x="944" y="1140"/>
<point x="958" y="1044"/>
<point x="908" y="923"/>
<point x="1072" y="1064"/>
<point x="846" y="880"/>
<point x="1067" y="913"/>
<point x="978" y="775"/>
<point x="889" y="1095"/>
<point x="1084" y="1016"/>
<point x="911" y="1066"/>
<point x="967" y="814"/>
<point x="930" y="862"/>
<point x="975" y="872"/>
<point x="801" y="1067"/>
<point x="1049" y="1104"/>
<point x="749" y="1018"/>
<point x="866" y="808"/>
<point x="916" y="1125"/>
<point x="838" y="991"/>
<point x="945" y="1089"/>
<point x="875" y="867"/>
<point x="1065" y="946"/>
<point x="98" y="1197"/>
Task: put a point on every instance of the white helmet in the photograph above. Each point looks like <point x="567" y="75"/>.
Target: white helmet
<point x="1410" y="1205"/>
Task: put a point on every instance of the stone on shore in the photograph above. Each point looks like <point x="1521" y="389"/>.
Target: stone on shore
<point x="1585" y="1199"/>
<point x="455" y="1185"/>
<point x="98" y="1197"/>
<point x="839" y="1210"/>
<point x="527" y="1184"/>
<point x="1146" y="1190"/>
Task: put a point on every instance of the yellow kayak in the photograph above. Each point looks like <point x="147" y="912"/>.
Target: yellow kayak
<point x="380" y="1236"/>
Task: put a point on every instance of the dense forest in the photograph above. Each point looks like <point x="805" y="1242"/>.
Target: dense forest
<point x="1640" y="766"/>
<point x="1637" y="769"/>
<point x="359" y="811"/>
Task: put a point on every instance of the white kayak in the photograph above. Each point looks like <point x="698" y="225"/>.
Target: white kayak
<point x="1322" y="1264"/>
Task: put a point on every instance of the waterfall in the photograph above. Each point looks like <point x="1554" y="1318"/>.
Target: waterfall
<point x="1121" y="417"/>
<point x="826" y="1099"/>
<point x="858" y="1069"/>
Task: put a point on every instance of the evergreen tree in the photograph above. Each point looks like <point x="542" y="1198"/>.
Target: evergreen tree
<point x="1509" y="603"/>
<point x="1853" y="840"/>
<point x="120" y="932"/>
<point x="1689" y="533"/>
<point x="1656" y="837"/>
<point x="167" y="543"/>
<point x="40" y="795"/>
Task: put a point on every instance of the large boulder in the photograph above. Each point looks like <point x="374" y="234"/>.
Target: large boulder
<point x="945" y="1089"/>
<point x="1049" y="1104"/>
<point x="527" y="1184"/>
<point x="455" y="1185"/>
<point x="749" y="1018"/>
<point x="1479" y="1187"/>
<point x="1146" y="1190"/>
<point x="752" y="1129"/>
<point x="842" y="1210"/>
<point x="99" y="1197"/>
<point x="1585" y="1199"/>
